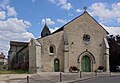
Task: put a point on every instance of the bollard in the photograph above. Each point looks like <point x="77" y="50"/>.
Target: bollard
<point x="60" y="77"/>
<point x="95" y="72"/>
<point x="8" y="79"/>
<point x="27" y="79"/>
<point x="80" y="74"/>
<point x="110" y="72"/>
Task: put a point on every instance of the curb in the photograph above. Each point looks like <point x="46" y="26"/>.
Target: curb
<point x="83" y="79"/>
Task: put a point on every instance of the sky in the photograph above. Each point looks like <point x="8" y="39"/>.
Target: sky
<point x="21" y="20"/>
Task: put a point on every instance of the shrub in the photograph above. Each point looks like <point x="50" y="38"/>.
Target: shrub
<point x="73" y="69"/>
<point x="22" y="65"/>
<point x="100" y="68"/>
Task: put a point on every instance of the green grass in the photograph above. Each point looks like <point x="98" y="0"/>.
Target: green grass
<point x="13" y="71"/>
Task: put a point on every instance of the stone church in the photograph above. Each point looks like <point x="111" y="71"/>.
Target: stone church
<point x="81" y="43"/>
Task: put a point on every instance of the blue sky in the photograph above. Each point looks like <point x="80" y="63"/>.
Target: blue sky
<point x="21" y="20"/>
<point x="36" y="10"/>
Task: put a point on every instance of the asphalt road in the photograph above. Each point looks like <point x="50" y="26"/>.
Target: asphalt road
<point x="115" y="79"/>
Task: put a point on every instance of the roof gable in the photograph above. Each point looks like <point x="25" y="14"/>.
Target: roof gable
<point x="85" y="12"/>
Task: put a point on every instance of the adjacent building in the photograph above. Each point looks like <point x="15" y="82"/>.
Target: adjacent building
<point x="18" y="55"/>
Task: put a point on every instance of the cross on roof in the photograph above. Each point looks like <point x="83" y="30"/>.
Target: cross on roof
<point x="85" y="8"/>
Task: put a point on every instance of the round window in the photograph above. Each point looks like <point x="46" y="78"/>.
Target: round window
<point x="86" y="37"/>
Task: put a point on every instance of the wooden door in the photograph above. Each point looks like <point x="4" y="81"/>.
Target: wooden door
<point x="86" y="64"/>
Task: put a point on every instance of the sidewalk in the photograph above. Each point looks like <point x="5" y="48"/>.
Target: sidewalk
<point x="13" y="78"/>
<point x="50" y="77"/>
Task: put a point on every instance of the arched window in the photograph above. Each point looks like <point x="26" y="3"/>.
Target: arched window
<point x="52" y="48"/>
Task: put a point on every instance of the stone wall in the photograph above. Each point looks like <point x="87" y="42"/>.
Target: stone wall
<point x="75" y="31"/>
<point x="12" y="54"/>
<point x="69" y="46"/>
<point x="47" y="58"/>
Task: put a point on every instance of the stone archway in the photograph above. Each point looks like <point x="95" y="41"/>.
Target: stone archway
<point x="86" y="61"/>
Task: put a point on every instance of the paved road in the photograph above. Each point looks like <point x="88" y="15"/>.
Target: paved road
<point x="50" y="77"/>
<point x="115" y="79"/>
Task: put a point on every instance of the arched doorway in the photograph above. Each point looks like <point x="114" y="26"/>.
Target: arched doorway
<point x="86" y="61"/>
<point x="86" y="64"/>
<point x="56" y="65"/>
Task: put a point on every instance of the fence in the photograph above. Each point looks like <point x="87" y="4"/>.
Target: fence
<point x="58" y="77"/>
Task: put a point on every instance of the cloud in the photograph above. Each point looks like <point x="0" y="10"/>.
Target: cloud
<point x="48" y="21"/>
<point x="12" y="28"/>
<point x="62" y="3"/>
<point x="2" y="15"/>
<point x="62" y="21"/>
<point x="27" y="23"/>
<point x="66" y="6"/>
<point x="78" y="10"/>
<point x="70" y="14"/>
<point x="4" y="3"/>
<point x="14" y="25"/>
<point x="53" y="29"/>
<point x="11" y="11"/>
<point x="10" y="36"/>
<point x="112" y="29"/>
<point x="118" y="20"/>
<point x="106" y="12"/>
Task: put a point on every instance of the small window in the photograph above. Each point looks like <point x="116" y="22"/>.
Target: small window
<point x="51" y="49"/>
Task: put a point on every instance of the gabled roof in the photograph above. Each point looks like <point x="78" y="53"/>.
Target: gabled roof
<point x="85" y="12"/>
<point x="36" y="42"/>
<point x="16" y="43"/>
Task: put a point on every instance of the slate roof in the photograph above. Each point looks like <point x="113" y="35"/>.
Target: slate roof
<point x="16" y="43"/>
<point x="45" y="31"/>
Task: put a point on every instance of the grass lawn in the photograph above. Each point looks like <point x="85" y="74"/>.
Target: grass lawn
<point x="13" y="71"/>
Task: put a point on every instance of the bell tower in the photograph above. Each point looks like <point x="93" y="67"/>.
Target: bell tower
<point x="45" y="31"/>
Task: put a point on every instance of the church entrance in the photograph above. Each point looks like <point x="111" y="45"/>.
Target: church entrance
<point x="86" y="64"/>
<point x="56" y="65"/>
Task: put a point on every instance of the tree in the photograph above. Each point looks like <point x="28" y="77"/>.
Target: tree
<point x="114" y="43"/>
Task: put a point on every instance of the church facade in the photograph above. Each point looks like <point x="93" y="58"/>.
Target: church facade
<point x="80" y="43"/>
